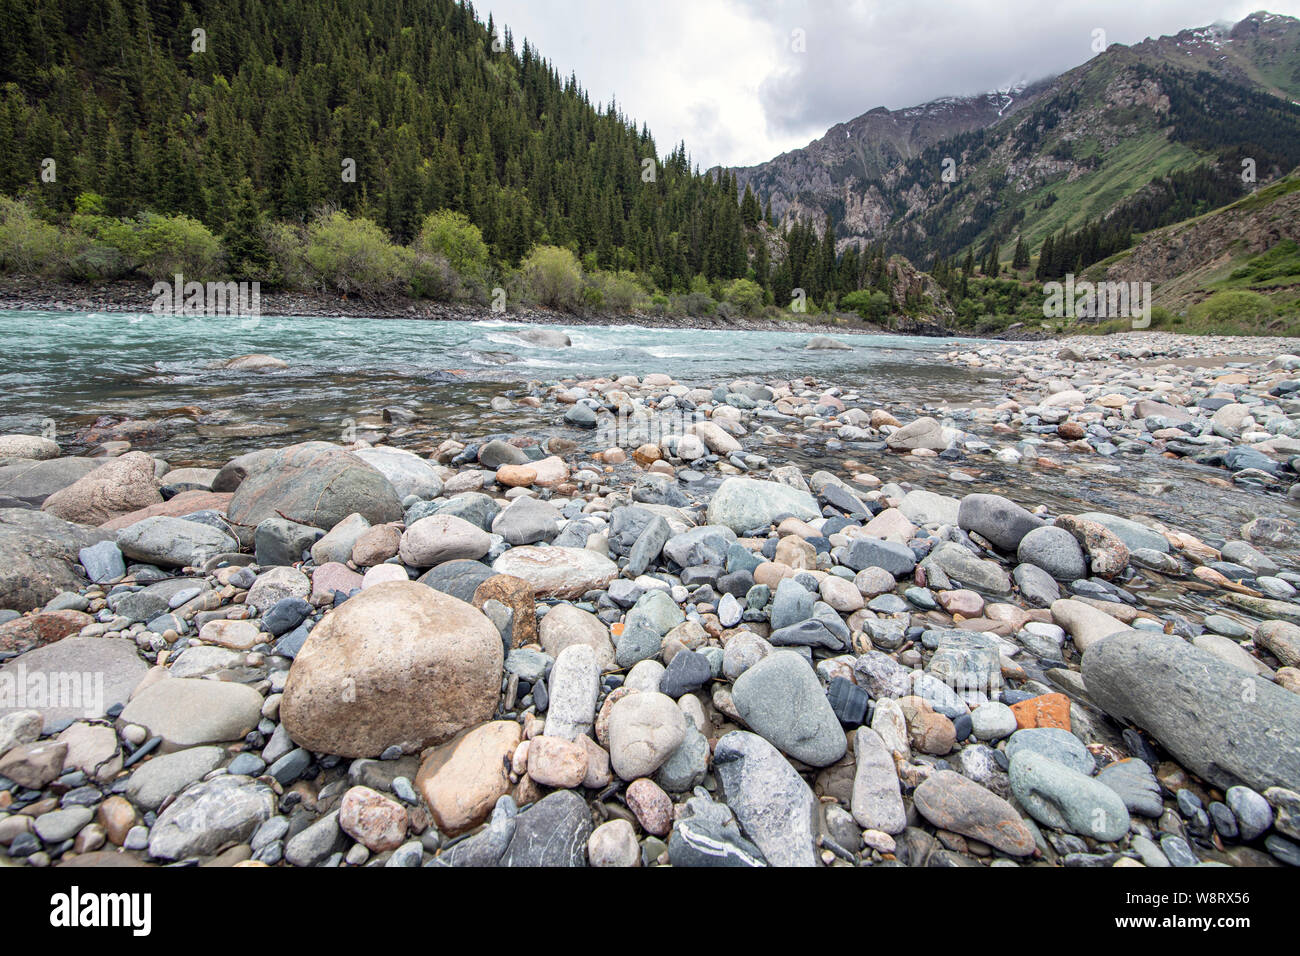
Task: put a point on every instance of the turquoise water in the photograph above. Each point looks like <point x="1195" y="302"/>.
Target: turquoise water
<point x="73" y="367"/>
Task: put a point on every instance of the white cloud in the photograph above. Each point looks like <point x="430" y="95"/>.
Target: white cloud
<point x="721" y="74"/>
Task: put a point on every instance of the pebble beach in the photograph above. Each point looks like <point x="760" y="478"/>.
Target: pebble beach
<point x="750" y="622"/>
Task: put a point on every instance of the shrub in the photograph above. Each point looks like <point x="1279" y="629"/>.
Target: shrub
<point x="745" y="295"/>
<point x="432" y="277"/>
<point x="593" y="297"/>
<point x="619" y="291"/>
<point x="697" y="304"/>
<point x="27" y="243"/>
<point x="286" y="249"/>
<point x="457" y="240"/>
<point x="167" y="245"/>
<point x="86" y="260"/>
<point x="553" y="277"/>
<point x="872" y="306"/>
<point x="1231" y="307"/>
<point x="349" y="255"/>
<point x="156" y="246"/>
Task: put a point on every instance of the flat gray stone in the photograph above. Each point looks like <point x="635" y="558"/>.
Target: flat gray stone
<point x="775" y="808"/>
<point x="83" y="677"/>
<point x="209" y="815"/>
<point x="154" y="780"/>
<point x="1226" y="726"/>
<point x="188" y="712"/>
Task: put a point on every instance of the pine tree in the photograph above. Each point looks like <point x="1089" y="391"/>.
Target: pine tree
<point x="247" y="256"/>
<point x="1021" y="258"/>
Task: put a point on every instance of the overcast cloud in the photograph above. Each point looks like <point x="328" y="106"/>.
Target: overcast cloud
<point x="723" y="75"/>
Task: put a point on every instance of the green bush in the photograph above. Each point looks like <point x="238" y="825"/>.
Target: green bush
<point x="619" y="291"/>
<point x="1230" y="307"/>
<point x="27" y="243"/>
<point x="347" y="255"/>
<point x="745" y="295"/>
<point x="286" y="248"/>
<point x="872" y="306"/>
<point x="457" y="240"/>
<point x="153" y="245"/>
<point x="177" y="244"/>
<point x="553" y="277"/>
<point x="432" y="277"/>
<point x="698" y="304"/>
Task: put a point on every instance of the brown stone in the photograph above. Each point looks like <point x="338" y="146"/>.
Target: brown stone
<point x="373" y="819"/>
<point x="463" y="778"/>
<point x="1108" y="555"/>
<point x="399" y="664"/>
<point x="516" y="594"/>
<point x="556" y="762"/>
<point x="41" y="628"/>
<point x="117" y="487"/>
<point x="332" y="577"/>
<point x="952" y="802"/>
<point x="185" y="503"/>
<point x="794" y="552"/>
<point x="1070" y="431"/>
<point x="1046" y="710"/>
<point x="516" y="476"/>
<point x="647" y="454"/>
<point x="376" y="545"/>
<point x="599" y="774"/>
<point x="652" y="806"/>
<point x="34" y="765"/>
<point x="117" y="817"/>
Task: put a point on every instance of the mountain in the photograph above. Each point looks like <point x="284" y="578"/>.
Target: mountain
<point x="1057" y="155"/>
<point x="1251" y="246"/>
<point x="805" y="182"/>
<point x="1263" y="51"/>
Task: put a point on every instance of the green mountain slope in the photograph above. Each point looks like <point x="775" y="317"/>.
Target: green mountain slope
<point x="1243" y="258"/>
<point x="1072" y="149"/>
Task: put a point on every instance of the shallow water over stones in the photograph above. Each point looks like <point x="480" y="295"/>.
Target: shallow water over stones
<point x="150" y="380"/>
<point x="158" y="373"/>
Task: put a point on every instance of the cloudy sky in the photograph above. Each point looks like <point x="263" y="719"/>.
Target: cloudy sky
<point x="724" y="75"/>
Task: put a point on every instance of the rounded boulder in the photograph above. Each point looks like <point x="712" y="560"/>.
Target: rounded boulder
<point x="400" y="664"/>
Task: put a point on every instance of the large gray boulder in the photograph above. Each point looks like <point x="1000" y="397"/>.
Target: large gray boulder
<point x="782" y="701"/>
<point x="173" y="542"/>
<point x="743" y="504"/>
<point x="996" y="519"/>
<point x="209" y="815"/>
<point x="40" y="557"/>
<point x="313" y="483"/>
<point x="1227" y="726"/>
<point x="31" y="482"/>
<point x="407" y="472"/>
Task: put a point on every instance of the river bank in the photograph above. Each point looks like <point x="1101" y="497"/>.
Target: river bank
<point x="36" y="294"/>
<point x="627" y="617"/>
